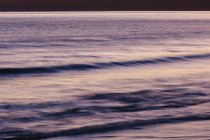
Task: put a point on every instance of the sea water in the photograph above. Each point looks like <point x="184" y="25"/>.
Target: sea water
<point x="105" y="75"/>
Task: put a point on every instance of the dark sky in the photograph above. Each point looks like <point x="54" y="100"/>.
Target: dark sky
<point x="101" y="5"/>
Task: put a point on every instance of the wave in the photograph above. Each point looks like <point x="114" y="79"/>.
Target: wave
<point x="142" y="100"/>
<point x="102" y="65"/>
<point x="113" y="126"/>
<point x="83" y="106"/>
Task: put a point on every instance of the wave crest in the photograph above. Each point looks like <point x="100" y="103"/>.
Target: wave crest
<point x="102" y="65"/>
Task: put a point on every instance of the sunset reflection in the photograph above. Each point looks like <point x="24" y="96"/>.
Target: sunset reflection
<point x="104" y="75"/>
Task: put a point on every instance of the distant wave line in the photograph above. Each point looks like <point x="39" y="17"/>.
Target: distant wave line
<point x="102" y="65"/>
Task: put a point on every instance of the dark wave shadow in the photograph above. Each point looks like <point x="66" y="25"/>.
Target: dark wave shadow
<point x="93" y="66"/>
<point x="147" y="100"/>
<point x="115" y="126"/>
<point x="176" y="97"/>
<point x="92" y="104"/>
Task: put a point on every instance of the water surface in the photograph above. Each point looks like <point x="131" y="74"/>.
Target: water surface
<point x="105" y="75"/>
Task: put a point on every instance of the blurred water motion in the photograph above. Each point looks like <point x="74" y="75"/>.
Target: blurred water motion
<point x="105" y="75"/>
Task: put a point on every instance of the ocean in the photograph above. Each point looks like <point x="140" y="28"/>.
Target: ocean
<point x="105" y="75"/>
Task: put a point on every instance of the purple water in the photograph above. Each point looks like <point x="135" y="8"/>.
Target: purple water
<point x="105" y="75"/>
